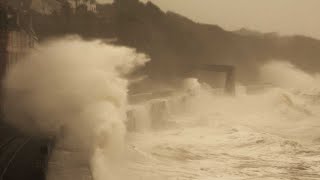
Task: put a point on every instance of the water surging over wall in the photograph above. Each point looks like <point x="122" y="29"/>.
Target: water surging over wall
<point x="270" y="134"/>
<point x="286" y="95"/>
<point x="74" y="90"/>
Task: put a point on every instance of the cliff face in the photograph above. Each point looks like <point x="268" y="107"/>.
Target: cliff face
<point x="173" y="41"/>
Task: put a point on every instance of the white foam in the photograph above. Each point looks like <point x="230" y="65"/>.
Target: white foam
<point x="74" y="90"/>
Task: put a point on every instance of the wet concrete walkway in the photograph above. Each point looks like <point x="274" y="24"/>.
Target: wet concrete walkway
<point x="68" y="162"/>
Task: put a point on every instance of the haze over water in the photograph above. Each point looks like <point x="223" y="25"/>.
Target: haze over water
<point x="287" y="17"/>
<point x="78" y="91"/>
<point x="273" y="134"/>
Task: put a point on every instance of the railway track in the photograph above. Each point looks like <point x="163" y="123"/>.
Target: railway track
<point x="9" y="149"/>
<point x="23" y="157"/>
<point x="6" y="142"/>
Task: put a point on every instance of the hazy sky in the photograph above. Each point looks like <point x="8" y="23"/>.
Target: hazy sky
<point x="284" y="16"/>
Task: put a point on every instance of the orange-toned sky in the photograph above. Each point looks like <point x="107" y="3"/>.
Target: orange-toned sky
<point x="283" y="16"/>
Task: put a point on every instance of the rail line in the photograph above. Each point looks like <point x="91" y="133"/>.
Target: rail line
<point x="10" y="148"/>
<point x="6" y="142"/>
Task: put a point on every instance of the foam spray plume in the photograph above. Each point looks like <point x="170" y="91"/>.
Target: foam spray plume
<point x="266" y="132"/>
<point x="74" y="89"/>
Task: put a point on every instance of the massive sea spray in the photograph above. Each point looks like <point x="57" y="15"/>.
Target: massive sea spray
<point x="74" y="89"/>
<point x="286" y="102"/>
<point x="269" y="133"/>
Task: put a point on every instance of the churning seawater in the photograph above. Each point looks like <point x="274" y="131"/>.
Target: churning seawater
<point x="76" y="91"/>
<point x="270" y="135"/>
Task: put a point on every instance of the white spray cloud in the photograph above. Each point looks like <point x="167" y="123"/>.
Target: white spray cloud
<point x="290" y="108"/>
<point x="286" y="75"/>
<point x="73" y="87"/>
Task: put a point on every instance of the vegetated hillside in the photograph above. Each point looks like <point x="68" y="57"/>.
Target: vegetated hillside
<point x="173" y="41"/>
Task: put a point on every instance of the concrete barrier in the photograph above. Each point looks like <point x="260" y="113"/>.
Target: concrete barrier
<point x="153" y="114"/>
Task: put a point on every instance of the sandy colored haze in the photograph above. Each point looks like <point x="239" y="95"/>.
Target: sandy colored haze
<point x="284" y="16"/>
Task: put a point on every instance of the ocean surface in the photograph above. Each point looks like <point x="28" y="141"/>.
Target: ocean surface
<point x="268" y="135"/>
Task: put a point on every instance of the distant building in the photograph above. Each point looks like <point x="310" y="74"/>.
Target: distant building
<point x="16" y="34"/>
<point x="90" y="5"/>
